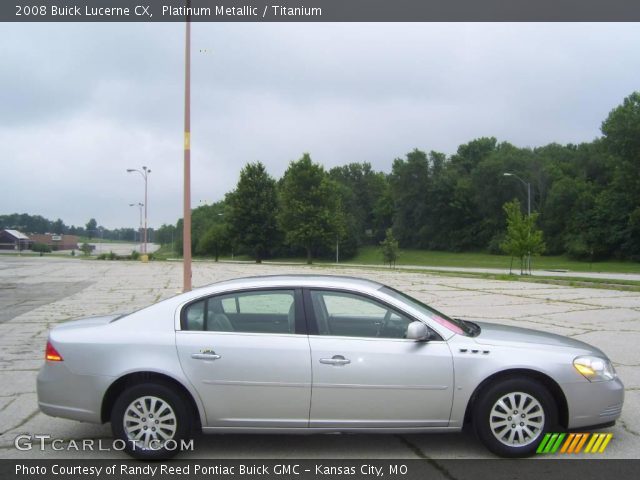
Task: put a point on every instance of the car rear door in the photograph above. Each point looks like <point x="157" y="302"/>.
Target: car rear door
<point x="365" y="374"/>
<point x="247" y="355"/>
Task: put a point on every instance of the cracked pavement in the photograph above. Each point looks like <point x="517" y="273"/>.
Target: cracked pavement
<point x="36" y="293"/>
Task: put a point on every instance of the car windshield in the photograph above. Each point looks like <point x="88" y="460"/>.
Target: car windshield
<point x="455" y="325"/>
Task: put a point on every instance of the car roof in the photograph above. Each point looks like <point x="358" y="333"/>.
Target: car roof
<point x="300" y="280"/>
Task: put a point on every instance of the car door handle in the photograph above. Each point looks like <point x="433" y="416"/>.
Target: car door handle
<point x="206" y="356"/>
<point x="335" y="360"/>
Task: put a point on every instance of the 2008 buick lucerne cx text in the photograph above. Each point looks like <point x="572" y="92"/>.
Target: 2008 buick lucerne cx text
<point x="313" y="354"/>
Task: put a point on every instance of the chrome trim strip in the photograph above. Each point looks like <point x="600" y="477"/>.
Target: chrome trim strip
<point x="380" y="387"/>
<point x="238" y="383"/>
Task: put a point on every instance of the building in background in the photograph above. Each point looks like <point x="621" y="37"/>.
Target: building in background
<point x="14" y="240"/>
<point x="55" y="241"/>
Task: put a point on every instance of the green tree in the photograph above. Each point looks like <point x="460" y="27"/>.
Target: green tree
<point x="214" y="242"/>
<point x="362" y="191"/>
<point x="252" y="211"/>
<point x="409" y="181"/>
<point x="310" y="211"/>
<point x="620" y="205"/>
<point x="622" y="129"/>
<point x="202" y="218"/>
<point x="58" y="227"/>
<point x="92" y="226"/>
<point x="165" y="234"/>
<point x="522" y="239"/>
<point x="389" y="249"/>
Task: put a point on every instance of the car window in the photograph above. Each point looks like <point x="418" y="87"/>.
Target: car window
<point x="195" y="316"/>
<point x="350" y="315"/>
<point x="263" y="311"/>
<point x="455" y="325"/>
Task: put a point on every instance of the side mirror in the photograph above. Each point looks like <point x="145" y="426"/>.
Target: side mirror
<point x="418" y="331"/>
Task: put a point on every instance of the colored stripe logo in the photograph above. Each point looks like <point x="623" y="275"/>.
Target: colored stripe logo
<point x="574" y="443"/>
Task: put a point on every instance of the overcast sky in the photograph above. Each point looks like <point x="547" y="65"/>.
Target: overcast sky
<point x="81" y="103"/>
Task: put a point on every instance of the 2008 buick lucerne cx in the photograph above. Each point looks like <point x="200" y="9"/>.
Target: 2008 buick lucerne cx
<point x="307" y="354"/>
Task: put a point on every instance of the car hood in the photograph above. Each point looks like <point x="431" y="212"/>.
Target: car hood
<point x="87" y="322"/>
<point x="496" y="334"/>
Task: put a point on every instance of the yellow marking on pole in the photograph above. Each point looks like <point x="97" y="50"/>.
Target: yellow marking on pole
<point x="567" y="442"/>
<point x="605" y="443"/>
<point x="187" y="140"/>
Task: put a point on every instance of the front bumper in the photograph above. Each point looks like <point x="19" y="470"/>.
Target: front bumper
<point x="594" y="403"/>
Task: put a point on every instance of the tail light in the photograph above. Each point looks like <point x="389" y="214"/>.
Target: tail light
<point x="52" y="354"/>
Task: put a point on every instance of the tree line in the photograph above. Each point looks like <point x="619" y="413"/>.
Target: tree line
<point x="30" y="224"/>
<point x="585" y="201"/>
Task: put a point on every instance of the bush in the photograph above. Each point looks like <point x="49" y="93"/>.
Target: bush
<point x="107" y="256"/>
<point x="41" y="247"/>
<point x="389" y="249"/>
<point x="135" y="255"/>
<point x="495" y="243"/>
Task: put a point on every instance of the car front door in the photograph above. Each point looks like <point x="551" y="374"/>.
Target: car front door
<point x="246" y="358"/>
<point x="366" y="374"/>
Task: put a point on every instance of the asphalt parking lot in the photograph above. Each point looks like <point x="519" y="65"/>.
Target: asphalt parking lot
<point x="36" y="293"/>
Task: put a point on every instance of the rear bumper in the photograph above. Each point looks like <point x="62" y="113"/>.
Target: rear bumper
<point x="62" y="393"/>
<point x="594" y="405"/>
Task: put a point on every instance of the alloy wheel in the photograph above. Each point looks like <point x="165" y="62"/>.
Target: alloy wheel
<point x="149" y="422"/>
<point x="516" y="419"/>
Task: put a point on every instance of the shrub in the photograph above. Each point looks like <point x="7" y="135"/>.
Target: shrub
<point x="86" y="248"/>
<point x="41" y="247"/>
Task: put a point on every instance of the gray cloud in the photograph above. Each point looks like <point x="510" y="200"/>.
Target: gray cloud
<point x="81" y="103"/>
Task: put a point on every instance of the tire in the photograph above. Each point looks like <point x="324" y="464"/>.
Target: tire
<point x="511" y="416"/>
<point x="147" y="416"/>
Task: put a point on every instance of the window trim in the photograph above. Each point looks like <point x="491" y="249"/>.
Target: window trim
<point x="312" y="321"/>
<point x="300" y="322"/>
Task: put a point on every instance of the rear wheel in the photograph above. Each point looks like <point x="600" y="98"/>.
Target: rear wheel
<point x="511" y="416"/>
<point x="151" y="419"/>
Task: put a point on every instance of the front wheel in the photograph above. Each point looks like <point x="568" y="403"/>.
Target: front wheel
<point x="151" y="419"/>
<point x="511" y="416"/>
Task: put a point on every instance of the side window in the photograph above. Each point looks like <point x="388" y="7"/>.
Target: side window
<point x="261" y="311"/>
<point x="193" y="318"/>
<point x="349" y="315"/>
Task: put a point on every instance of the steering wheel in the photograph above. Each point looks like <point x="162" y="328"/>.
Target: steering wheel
<point x="383" y="324"/>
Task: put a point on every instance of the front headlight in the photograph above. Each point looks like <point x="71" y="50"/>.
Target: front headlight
<point x="595" y="369"/>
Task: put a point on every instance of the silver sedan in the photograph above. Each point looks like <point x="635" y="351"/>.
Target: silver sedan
<point x="313" y="354"/>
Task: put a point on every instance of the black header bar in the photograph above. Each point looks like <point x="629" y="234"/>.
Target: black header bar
<point x="320" y="11"/>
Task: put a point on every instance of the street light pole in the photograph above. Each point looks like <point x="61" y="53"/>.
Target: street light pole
<point x="145" y="175"/>
<point x="139" y="205"/>
<point x="528" y="187"/>
<point x="186" y="227"/>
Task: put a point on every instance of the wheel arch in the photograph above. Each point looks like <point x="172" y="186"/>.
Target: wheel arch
<point x="551" y="385"/>
<point x="136" y="378"/>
